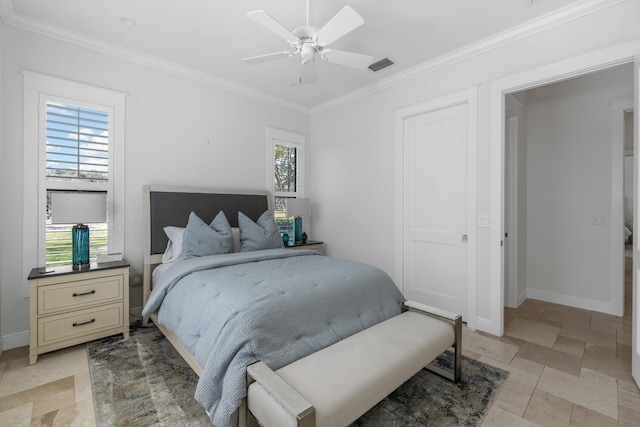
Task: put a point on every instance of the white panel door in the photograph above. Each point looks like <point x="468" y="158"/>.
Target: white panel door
<point x="435" y="208"/>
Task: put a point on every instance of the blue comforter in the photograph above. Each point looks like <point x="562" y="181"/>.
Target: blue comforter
<point x="275" y="305"/>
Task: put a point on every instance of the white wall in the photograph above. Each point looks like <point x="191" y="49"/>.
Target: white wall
<point x="2" y="204"/>
<point x="569" y="181"/>
<point x="178" y="132"/>
<point x="351" y="155"/>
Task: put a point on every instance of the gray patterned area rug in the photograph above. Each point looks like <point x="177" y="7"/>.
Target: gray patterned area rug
<point x="143" y="381"/>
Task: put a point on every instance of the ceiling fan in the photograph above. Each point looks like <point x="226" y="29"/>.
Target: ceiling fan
<point x="309" y="41"/>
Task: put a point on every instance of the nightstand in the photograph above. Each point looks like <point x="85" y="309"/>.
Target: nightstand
<point x="310" y="244"/>
<point x="69" y="307"/>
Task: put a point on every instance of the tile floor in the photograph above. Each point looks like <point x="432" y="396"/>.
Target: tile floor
<point x="568" y="367"/>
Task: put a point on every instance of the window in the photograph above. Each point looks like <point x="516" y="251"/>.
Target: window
<point x="285" y="171"/>
<point x="74" y="139"/>
<point x="76" y="151"/>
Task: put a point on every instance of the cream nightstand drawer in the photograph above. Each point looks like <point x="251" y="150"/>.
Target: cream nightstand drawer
<point x="76" y="324"/>
<point x="76" y="295"/>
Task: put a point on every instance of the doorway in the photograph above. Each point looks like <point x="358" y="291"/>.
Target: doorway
<point x="568" y="168"/>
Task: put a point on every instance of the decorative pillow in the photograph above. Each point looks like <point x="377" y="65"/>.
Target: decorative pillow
<point x="201" y="239"/>
<point x="262" y="234"/>
<point x="174" y="246"/>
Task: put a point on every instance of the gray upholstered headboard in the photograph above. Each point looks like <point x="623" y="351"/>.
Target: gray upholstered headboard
<point x="166" y="206"/>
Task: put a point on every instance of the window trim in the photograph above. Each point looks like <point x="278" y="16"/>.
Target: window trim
<point x="37" y="89"/>
<point x="281" y="136"/>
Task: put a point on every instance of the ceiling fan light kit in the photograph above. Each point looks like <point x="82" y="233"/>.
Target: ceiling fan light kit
<point x="308" y="42"/>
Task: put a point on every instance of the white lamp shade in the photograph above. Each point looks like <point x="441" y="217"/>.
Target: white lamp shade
<point x="298" y="207"/>
<point x="78" y="208"/>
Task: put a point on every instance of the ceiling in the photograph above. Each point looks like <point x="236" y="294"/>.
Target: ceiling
<point x="209" y="38"/>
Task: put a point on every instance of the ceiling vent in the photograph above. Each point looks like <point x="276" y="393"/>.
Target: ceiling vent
<point x="383" y="63"/>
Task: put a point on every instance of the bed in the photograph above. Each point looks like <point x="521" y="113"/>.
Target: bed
<point x="225" y="311"/>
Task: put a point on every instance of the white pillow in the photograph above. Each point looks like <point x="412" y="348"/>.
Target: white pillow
<point x="174" y="247"/>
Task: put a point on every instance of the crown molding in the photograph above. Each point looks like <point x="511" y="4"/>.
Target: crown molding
<point x="527" y="29"/>
<point x="111" y="49"/>
<point x="550" y="20"/>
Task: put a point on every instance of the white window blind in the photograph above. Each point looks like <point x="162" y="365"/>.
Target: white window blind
<point x="77" y="143"/>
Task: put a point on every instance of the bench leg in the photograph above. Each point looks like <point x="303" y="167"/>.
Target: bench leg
<point x="456" y="375"/>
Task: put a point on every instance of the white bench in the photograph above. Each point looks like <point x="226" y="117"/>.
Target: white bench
<point x="338" y="384"/>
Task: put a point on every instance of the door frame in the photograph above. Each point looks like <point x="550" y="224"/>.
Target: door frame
<point x="574" y="67"/>
<point x="466" y="96"/>
<point x="512" y="215"/>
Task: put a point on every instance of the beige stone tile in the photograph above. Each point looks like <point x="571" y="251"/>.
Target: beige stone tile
<point x="517" y="390"/>
<point x="14" y="354"/>
<point x="470" y="354"/>
<point x="580" y="319"/>
<point x="82" y="385"/>
<point x="602" y="321"/>
<point x="575" y="311"/>
<point x="602" y="337"/>
<point x="597" y="397"/>
<point x="45" y="397"/>
<point x="554" y="316"/>
<point x="535" y="332"/>
<point x="584" y="417"/>
<point x="605" y="360"/>
<point x="576" y="332"/>
<point x="54" y="401"/>
<point x="50" y="367"/>
<point x="3" y="365"/>
<point x="628" y="402"/>
<point x="624" y="352"/>
<point x="490" y="347"/>
<point x="548" y="410"/>
<point x="598" y="377"/>
<point x="553" y="323"/>
<point x="569" y="345"/>
<point x="528" y="311"/>
<point x="527" y="366"/>
<point x="498" y="417"/>
<point x="548" y="305"/>
<point x="623" y="337"/>
<point x="549" y="357"/>
<point x="80" y="414"/>
<point x="16" y="417"/>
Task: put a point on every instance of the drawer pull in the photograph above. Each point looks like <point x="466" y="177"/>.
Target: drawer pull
<point x="83" y="323"/>
<point x="75" y="294"/>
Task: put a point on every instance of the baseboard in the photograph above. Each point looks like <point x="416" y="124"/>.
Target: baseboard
<point x="573" y="301"/>
<point x="10" y="341"/>
<point x="521" y="297"/>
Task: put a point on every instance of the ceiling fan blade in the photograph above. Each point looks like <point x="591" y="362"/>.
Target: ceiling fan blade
<point x="342" y="23"/>
<point x="308" y="73"/>
<point x="349" y="59"/>
<point x="268" y="57"/>
<point x="270" y="23"/>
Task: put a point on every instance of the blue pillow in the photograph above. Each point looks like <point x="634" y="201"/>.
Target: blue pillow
<point x="263" y="234"/>
<point x="200" y="239"/>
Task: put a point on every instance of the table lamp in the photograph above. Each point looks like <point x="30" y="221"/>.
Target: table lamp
<point x="79" y="208"/>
